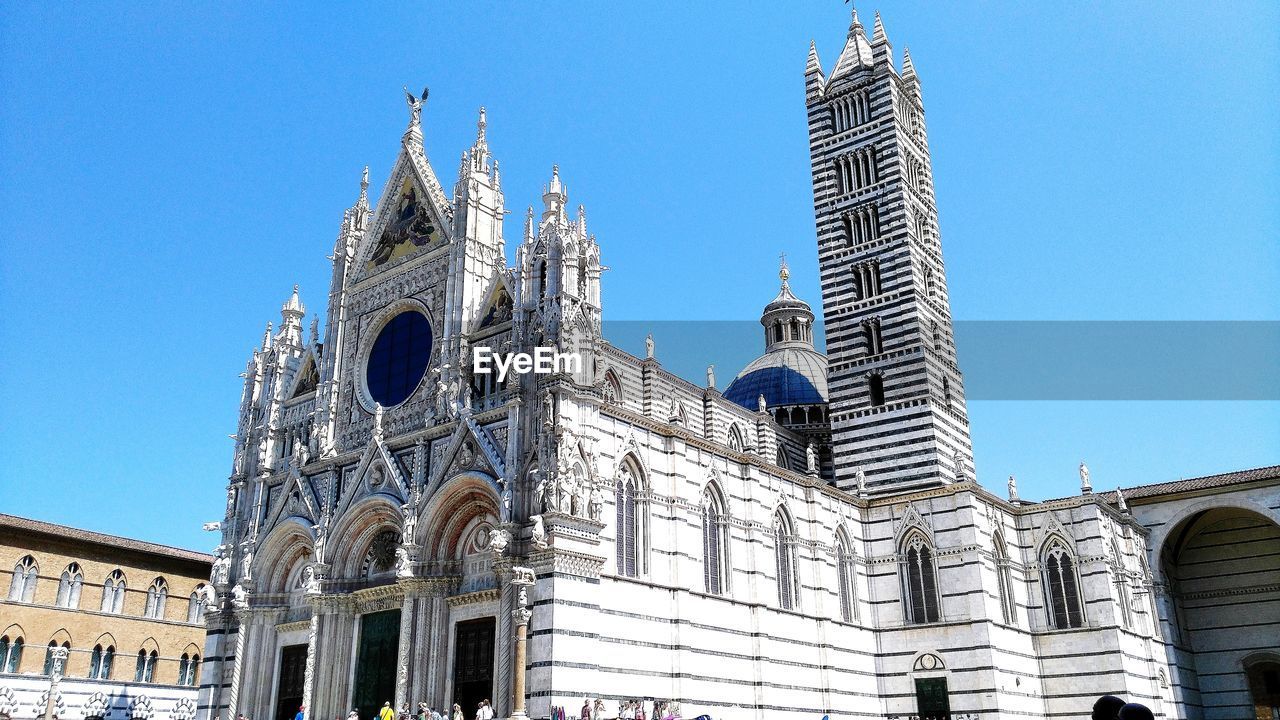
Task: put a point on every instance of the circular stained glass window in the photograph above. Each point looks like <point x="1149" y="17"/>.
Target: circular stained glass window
<point x="398" y="359"/>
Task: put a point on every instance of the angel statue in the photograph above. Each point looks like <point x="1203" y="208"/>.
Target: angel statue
<point x="415" y="105"/>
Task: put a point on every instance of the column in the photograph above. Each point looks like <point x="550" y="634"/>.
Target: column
<point x="523" y="578"/>
<point x="237" y="669"/>
<point x="309" y="678"/>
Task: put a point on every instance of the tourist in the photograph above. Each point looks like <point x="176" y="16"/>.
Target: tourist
<point x="1106" y="707"/>
<point x="1135" y="711"/>
<point x="386" y="713"/>
<point x="484" y="711"/>
<point x="435" y="715"/>
<point x="457" y="712"/>
<point x="302" y="713"/>
<point x="353" y="715"/>
<point x="585" y="714"/>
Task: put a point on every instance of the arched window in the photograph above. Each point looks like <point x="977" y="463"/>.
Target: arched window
<point x="1004" y="579"/>
<point x="784" y="549"/>
<point x="714" y="541"/>
<point x="1062" y="589"/>
<point x="145" y="668"/>
<point x="627" y="534"/>
<point x="22" y="586"/>
<point x="113" y="593"/>
<point x="157" y="594"/>
<point x="187" y="666"/>
<point x="1122" y="586"/>
<point x="1264" y="686"/>
<point x="195" y="605"/>
<point x="48" y="656"/>
<point x="875" y="387"/>
<point x="919" y="581"/>
<point x="845" y="578"/>
<point x="735" y="438"/>
<point x="100" y="662"/>
<point x="782" y="457"/>
<point x="10" y="654"/>
<point x="69" y="587"/>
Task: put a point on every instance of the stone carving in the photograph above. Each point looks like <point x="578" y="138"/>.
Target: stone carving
<point x="548" y="410"/>
<point x="404" y="563"/>
<point x="209" y="597"/>
<point x="377" y="421"/>
<point x="811" y="458"/>
<point x="221" y="572"/>
<point x="498" y="541"/>
<point x="648" y="346"/>
<point x="861" y="478"/>
<point x="140" y="708"/>
<point x="1085" y="485"/>
<point x="539" y="532"/>
<point x="1120" y="503"/>
<point x="1013" y="489"/>
<point x="958" y="457"/>
<point x="711" y="376"/>
<point x="239" y="597"/>
<point x="595" y="508"/>
<point x="761" y="405"/>
<point x="310" y="583"/>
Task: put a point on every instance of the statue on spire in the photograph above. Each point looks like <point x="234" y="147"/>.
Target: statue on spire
<point x="415" y="105"/>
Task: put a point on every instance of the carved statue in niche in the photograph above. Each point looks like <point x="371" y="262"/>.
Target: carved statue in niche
<point x="409" y="229"/>
<point x="221" y="572"/>
<point x="595" y="508"/>
<point x="539" y="532"/>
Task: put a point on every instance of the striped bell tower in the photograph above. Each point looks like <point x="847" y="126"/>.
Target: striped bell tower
<point x="898" y="417"/>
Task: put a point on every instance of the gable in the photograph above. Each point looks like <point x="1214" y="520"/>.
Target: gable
<point x="306" y="379"/>
<point x="409" y="224"/>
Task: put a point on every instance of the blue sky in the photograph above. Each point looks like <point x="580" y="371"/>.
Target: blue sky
<point x="168" y="177"/>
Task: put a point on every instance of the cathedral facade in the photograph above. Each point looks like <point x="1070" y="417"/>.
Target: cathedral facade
<point x="809" y="540"/>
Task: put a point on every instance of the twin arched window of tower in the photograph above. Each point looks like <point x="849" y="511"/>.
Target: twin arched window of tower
<point x="157" y="597"/>
<point x="113" y="593"/>
<point x="100" y="662"/>
<point x="145" y="668"/>
<point x="10" y="654"/>
<point x="69" y="586"/>
<point x="22" y="585"/>
<point x="188" y="665"/>
<point x="919" y="581"/>
<point x="1062" y="587"/>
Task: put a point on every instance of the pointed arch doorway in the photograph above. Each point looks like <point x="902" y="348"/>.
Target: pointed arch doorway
<point x="375" y="680"/>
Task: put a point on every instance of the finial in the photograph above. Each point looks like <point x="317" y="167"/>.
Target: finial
<point x="315" y="330"/>
<point x="879" y="35"/>
<point x="266" y="337"/>
<point x="908" y="68"/>
<point x="415" y="105"/>
<point x="854" y="23"/>
<point x="784" y="273"/>
<point x="364" y="185"/>
<point x="480" y="125"/>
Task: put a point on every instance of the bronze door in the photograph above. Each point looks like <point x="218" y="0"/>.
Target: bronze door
<point x="293" y="669"/>
<point x="375" y="681"/>
<point x="473" y="664"/>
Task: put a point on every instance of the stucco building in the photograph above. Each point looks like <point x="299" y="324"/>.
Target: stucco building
<point x="129" y="613"/>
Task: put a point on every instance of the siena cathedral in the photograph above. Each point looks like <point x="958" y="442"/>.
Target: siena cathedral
<point x="808" y="540"/>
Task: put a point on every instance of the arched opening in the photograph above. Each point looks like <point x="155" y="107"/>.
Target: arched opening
<point x="1218" y="568"/>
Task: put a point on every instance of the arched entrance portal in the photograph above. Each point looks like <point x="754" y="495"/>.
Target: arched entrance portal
<point x="1220" y="609"/>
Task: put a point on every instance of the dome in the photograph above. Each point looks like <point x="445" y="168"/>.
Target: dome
<point x="791" y="371"/>
<point x="785" y="376"/>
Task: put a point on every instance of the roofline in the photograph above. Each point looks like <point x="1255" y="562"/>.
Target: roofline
<point x="66" y="532"/>
<point x="1219" y="481"/>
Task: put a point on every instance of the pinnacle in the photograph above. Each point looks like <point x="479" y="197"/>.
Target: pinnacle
<point x="879" y="35"/>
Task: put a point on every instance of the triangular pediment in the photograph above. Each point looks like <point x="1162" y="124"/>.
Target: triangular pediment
<point x="412" y="215"/>
<point x="295" y="498"/>
<point x="307" y="378"/>
<point x="498" y="307"/>
<point x="378" y="472"/>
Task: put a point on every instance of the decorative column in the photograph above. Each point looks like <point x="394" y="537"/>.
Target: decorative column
<point x="237" y="669"/>
<point x="523" y="579"/>
<point x="59" y="656"/>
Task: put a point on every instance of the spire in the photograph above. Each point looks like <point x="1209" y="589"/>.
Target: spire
<point x="855" y="25"/>
<point x="293" y="306"/>
<point x="878" y="36"/>
<point x="553" y="200"/>
<point x="856" y="53"/>
<point x="480" y="151"/>
<point x="315" y="331"/>
<point x="582" y="221"/>
<point x="813" y="64"/>
<point x="364" y="189"/>
<point x="881" y="50"/>
<point x="497" y="178"/>
<point x="528" y="225"/>
<point x="908" y="69"/>
<point x="266" y="337"/>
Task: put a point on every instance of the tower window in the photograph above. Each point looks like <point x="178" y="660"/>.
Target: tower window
<point x="871" y="331"/>
<point x="857" y="170"/>
<point x="862" y="225"/>
<point x="875" y="385"/>
<point x="919" y="580"/>
<point x="866" y="279"/>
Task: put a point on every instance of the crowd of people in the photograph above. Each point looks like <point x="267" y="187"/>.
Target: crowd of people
<point x="1107" y="707"/>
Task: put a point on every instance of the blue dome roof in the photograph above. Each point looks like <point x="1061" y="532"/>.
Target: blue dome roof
<point x="785" y="376"/>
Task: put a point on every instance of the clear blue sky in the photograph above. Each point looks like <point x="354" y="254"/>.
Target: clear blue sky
<point x="168" y="176"/>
